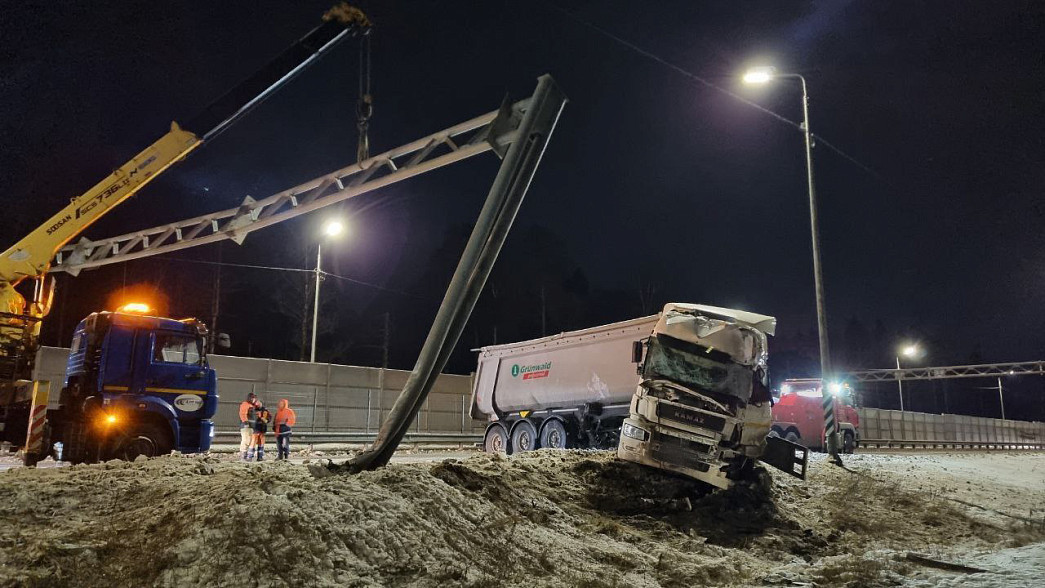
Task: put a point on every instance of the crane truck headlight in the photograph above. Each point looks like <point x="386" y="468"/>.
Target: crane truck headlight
<point x="634" y="432"/>
<point x="109" y="419"/>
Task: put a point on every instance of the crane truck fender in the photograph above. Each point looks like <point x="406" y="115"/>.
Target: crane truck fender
<point x="153" y="405"/>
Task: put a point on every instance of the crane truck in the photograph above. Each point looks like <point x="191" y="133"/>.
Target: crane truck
<point x="798" y="414"/>
<point x="693" y="399"/>
<point x="127" y="375"/>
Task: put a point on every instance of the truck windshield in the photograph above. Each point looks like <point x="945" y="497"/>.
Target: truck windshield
<point x="171" y="348"/>
<point x="693" y="367"/>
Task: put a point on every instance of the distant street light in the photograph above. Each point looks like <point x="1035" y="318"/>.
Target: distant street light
<point x="909" y="351"/>
<point x="764" y="75"/>
<point x="332" y="228"/>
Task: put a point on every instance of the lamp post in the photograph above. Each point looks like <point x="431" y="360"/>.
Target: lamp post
<point x="764" y="75"/>
<point x="330" y="229"/>
<point x="910" y="352"/>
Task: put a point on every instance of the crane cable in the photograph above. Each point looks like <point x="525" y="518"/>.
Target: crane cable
<point x="365" y="103"/>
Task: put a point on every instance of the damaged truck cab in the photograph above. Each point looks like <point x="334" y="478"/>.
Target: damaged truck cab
<point x="135" y="385"/>
<point x="703" y="404"/>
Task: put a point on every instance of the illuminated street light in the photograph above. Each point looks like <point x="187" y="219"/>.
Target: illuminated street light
<point x="763" y="75"/>
<point x="759" y="75"/>
<point x="909" y="351"/>
<point x="332" y="228"/>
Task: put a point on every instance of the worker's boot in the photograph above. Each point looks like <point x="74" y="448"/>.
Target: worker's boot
<point x="243" y="456"/>
<point x="261" y="454"/>
<point x="249" y="456"/>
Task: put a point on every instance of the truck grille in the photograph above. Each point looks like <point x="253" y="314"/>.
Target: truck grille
<point x="690" y="417"/>
<point x="681" y="452"/>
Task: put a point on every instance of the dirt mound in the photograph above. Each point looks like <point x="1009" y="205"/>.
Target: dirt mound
<point x="547" y="518"/>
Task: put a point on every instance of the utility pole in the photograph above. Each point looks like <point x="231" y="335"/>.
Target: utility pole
<point x="1001" y="399"/>
<point x="315" y="304"/>
<point x="763" y="75"/>
<point x="899" y="382"/>
<point x="214" y="304"/>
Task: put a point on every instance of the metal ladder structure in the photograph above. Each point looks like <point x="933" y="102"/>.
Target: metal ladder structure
<point x="948" y="372"/>
<point x="494" y="131"/>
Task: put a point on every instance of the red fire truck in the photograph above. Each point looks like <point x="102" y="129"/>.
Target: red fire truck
<point x="799" y="417"/>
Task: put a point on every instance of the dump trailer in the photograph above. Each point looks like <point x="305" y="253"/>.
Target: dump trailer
<point x="135" y="385"/>
<point x="698" y="402"/>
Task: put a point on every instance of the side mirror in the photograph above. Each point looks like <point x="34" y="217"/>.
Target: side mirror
<point x="636" y="351"/>
<point x="223" y="341"/>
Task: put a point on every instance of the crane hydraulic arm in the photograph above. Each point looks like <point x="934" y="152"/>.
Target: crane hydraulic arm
<point x="31" y="256"/>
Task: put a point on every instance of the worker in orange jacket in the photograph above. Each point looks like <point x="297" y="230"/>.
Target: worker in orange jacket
<point x="285" y="419"/>
<point x="246" y="424"/>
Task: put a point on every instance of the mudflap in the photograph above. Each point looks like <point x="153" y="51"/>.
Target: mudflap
<point x="790" y="458"/>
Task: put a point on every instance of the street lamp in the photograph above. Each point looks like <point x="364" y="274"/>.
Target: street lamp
<point x="331" y="229"/>
<point x="764" y="75"/>
<point x="910" y="351"/>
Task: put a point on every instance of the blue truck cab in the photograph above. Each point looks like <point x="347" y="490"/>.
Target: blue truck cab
<point x="135" y="385"/>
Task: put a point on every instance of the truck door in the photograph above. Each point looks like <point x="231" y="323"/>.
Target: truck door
<point x="175" y="367"/>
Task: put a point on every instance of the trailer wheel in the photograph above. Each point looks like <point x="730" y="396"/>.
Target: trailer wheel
<point x="524" y="436"/>
<point x="149" y="440"/>
<point x="792" y="435"/>
<point x="496" y="440"/>
<point x="775" y="432"/>
<point x="553" y="434"/>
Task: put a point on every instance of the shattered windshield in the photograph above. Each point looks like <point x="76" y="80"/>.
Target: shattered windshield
<point x="695" y="367"/>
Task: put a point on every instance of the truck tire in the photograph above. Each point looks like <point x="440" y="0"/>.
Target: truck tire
<point x="775" y="431"/>
<point x="553" y="434"/>
<point x="848" y="442"/>
<point x="793" y="436"/>
<point x="148" y="439"/>
<point x="524" y="436"/>
<point x="496" y="439"/>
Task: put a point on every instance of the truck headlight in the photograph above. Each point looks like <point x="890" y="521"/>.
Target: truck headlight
<point x="634" y="432"/>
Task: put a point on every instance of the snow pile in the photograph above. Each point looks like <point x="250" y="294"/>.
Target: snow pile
<point x="566" y="518"/>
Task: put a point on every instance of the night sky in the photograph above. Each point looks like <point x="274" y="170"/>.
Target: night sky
<point x="652" y="183"/>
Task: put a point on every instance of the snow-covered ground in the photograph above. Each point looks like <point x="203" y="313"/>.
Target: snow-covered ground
<point x="545" y="518"/>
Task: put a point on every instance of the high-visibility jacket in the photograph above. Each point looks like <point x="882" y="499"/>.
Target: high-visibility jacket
<point x="285" y="417"/>
<point x="246" y="413"/>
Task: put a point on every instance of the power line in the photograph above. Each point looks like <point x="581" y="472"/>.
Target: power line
<point x="708" y="84"/>
<point x="289" y="269"/>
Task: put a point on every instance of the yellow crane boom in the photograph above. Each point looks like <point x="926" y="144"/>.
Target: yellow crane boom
<point x="31" y="256"/>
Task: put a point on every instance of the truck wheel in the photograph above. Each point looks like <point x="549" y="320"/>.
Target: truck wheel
<point x="148" y="440"/>
<point x="793" y="436"/>
<point x="553" y="434"/>
<point x="496" y="440"/>
<point x="848" y="442"/>
<point x="775" y="432"/>
<point x="524" y="436"/>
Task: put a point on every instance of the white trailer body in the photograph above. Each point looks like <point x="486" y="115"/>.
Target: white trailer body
<point x="587" y="366"/>
<point x="579" y="383"/>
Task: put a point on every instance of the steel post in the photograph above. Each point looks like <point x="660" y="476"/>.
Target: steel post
<point x="491" y="229"/>
<point x="315" y="305"/>
<point x="899" y="382"/>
